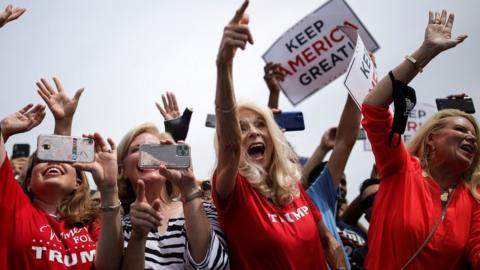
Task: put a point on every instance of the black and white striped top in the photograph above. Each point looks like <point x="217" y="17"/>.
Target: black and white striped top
<point x="169" y="251"/>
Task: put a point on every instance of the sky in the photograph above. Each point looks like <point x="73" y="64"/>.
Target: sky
<point x="127" y="53"/>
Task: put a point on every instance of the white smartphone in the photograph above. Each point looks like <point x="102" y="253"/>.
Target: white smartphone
<point x="175" y="156"/>
<point x="65" y="149"/>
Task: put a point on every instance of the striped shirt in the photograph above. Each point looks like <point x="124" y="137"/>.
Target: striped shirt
<point x="170" y="251"/>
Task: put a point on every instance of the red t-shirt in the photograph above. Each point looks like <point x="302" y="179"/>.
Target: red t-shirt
<point x="408" y="205"/>
<point x="262" y="236"/>
<point x="31" y="239"/>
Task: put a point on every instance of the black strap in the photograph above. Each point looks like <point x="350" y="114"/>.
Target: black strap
<point x="404" y="100"/>
<point x="178" y="127"/>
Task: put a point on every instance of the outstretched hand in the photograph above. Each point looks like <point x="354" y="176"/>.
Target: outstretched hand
<point x="438" y="35"/>
<point x="22" y="121"/>
<point x="104" y="169"/>
<point x="61" y="106"/>
<point x="235" y="35"/>
<point x="10" y="14"/>
<point x="170" y="108"/>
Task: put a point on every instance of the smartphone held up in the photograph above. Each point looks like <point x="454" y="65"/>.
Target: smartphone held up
<point x="462" y="104"/>
<point x="65" y="149"/>
<point x="173" y="156"/>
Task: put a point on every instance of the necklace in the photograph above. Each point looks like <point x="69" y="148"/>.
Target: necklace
<point x="446" y="193"/>
<point x="53" y="215"/>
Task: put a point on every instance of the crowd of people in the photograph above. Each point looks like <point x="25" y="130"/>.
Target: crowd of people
<point x="264" y="208"/>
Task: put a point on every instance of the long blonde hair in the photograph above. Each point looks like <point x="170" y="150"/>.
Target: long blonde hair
<point x="418" y="145"/>
<point x="280" y="182"/>
<point x="125" y="190"/>
<point x="77" y="208"/>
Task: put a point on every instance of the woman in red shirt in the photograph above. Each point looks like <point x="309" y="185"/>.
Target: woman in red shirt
<point x="54" y="224"/>
<point x="425" y="214"/>
<point x="267" y="218"/>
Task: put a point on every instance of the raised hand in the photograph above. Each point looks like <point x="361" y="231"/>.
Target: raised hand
<point x="235" y="35"/>
<point x="143" y="216"/>
<point x="438" y="34"/>
<point x="328" y="139"/>
<point x="60" y="104"/>
<point x="272" y="76"/>
<point x="182" y="178"/>
<point x="10" y="14"/>
<point x="104" y="169"/>
<point x="22" y="121"/>
<point x="170" y="108"/>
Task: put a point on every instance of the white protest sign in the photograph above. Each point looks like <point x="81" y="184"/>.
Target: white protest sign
<point x="421" y="113"/>
<point x="314" y="51"/>
<point x="361" y="73"/>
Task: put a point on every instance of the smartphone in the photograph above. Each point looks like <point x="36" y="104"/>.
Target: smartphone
<point x="290" y="121"/>
<point x="174" y="156"/>
<point x="462" y="104"/>
<point x="211" y="120"/>
<point x="20" y="150"/>
<point x="65" y="149"/>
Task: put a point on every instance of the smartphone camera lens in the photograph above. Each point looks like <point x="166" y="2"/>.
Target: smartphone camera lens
<point x="182" y="150"/>
<point x="46" y="146"/>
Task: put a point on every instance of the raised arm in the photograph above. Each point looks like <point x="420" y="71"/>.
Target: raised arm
<point x="197" y="225"/>
<point x="108" y="254"/>
<point x="22" y="121"/>
<point x="326" y="144"/>
<point x="438" y="38"/>
<point x="235" y="35"/>
<point x="272" y="77"/>
<point x="345" y="140"/>
<point x="10" y="14"/>
<point x="62" y="107"/>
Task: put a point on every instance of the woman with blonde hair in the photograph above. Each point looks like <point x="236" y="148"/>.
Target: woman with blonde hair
<point x="268" y="219"/>
<point x="425" y="215"/>
<point x="166" y="224"/>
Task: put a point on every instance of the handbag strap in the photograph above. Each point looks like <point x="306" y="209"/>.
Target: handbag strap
<point x="430" y="235"/>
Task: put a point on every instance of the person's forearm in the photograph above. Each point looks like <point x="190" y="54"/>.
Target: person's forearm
<point x="353" y="213"/>
<point x="134" y="258"/>
<point x="273" y="99"/>
<point x="110" y="244"/>
<point x="198" y="229"/>
<point x="228" y="131"/>
<point x="63" y="127"/>
<point x="381" y="95"/>
<point x="316" y="158"/>
<point x="344" y="140"/>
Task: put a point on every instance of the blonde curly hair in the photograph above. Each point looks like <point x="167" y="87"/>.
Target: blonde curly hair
<point x="418" y="145"/>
